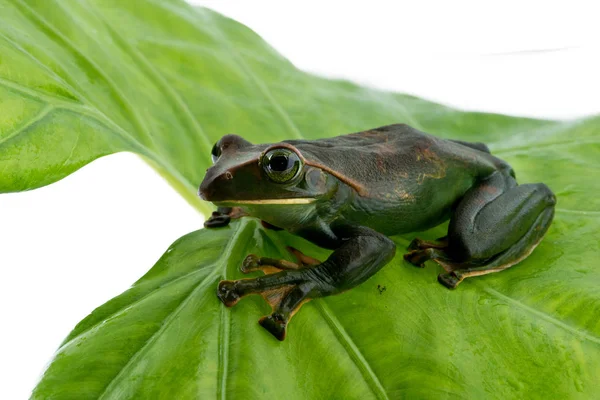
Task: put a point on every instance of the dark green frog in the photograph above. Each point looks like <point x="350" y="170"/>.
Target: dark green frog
<point x="348" y="192"/>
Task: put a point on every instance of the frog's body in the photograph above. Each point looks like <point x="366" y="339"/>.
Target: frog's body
<point x="346" y="193"/>
<point x="405" y="180"/>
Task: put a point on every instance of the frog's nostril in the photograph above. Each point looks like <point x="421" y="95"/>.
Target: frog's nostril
<point x="228" y="175"/>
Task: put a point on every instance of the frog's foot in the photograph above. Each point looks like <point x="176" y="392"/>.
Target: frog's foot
<point x="284" y="300"/>
<point x="223" y="216"/>
<point x="420" y="244"/>
<point x="453" y="275"/>
<point x="418" y="257"/>
<point x="284" y="294"/>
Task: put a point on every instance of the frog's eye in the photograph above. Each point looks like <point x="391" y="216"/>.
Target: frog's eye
<point x="281" y="165"/>
<point x="215" y="153"/>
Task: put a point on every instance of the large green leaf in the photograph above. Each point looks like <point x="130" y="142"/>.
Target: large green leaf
<point x="79" y="80"/>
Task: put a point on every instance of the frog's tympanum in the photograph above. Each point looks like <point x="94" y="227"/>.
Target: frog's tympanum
<point x="349" y="192"/>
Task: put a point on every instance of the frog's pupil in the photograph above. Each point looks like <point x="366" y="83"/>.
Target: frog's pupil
<point x="279" y="163"/>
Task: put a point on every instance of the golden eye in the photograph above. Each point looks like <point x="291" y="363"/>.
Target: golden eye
<point x="281" y="165"/>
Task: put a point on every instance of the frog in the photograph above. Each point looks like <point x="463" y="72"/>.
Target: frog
<point x="350" y="193"/>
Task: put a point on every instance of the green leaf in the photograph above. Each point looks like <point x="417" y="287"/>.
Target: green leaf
<point x="80" y="80"/>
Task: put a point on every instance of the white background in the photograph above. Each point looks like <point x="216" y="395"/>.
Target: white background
<point x="69" y="247"/>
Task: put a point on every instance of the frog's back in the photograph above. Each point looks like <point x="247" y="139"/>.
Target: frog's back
<point x="405" y="179"/>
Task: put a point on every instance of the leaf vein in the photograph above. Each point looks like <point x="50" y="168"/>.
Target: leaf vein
<point x="137" y="301"/>
<point x="118" y="96"/>
<point x="28" y="124"/>
<point x="259" y="83"/>
<point x="352" y="350"/>
<point x="579" y="212"/>
<point x="156" y="76"/>
<point x="546" y="317"/>
<point x="166" y="323"/>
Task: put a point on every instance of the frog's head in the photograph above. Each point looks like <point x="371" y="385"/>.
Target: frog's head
<point x="256" y="175"/>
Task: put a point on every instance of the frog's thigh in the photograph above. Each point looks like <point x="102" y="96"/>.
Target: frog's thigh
<point x="496" y="225"/>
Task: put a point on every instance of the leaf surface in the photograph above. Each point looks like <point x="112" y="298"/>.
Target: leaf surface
<point x="80" y="80"/>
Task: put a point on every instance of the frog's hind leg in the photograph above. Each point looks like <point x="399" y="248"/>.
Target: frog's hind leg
<point x="496" y="225"/>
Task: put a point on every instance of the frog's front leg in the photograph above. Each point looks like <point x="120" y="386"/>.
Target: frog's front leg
<point x="495" y="225"/>
<point x="271" y="265"/>
<point x="223" y="216"/>
<point x="361" y="253"/>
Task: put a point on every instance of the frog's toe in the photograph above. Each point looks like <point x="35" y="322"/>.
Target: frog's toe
<point x="420" y="244"/>
<point x="414" y="245"/>
<point x="217" y="220"/>
<point x="250" y="264"/>
<point x="265" y="264"/>
<point x="275" y="324"/>
<point x="227" y="293"/>
<point x="416" y="258"/>
<point x="450" y="280"/>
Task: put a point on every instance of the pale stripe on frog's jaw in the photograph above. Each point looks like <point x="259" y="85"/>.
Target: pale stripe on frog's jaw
<point x="302" y="200"/>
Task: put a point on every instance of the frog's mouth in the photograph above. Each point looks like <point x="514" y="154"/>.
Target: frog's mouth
<point x="299" y="200"/>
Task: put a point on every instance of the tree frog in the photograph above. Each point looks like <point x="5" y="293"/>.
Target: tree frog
<point x="349" y="193"/>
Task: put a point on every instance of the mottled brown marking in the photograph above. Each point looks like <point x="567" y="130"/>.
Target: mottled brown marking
<point x="489" y="189"/>
<point x="439" y="167"/>
<point x="404" y="195"/>
<point x="380" y="163"/>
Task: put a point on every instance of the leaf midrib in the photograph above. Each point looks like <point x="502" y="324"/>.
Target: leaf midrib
<point x="352" y="350"/>
<point x="167" y="321"/>
<point x="86" y="104"/>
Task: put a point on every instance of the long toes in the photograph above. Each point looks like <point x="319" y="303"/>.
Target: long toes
<point x="416" y="258"/>
<point x="275" y="324"/>
<point x="450" y="280"/>
<point x="303" y="259"/>
<point x="250" y="264"/>
<point x="414" y="245"/>
<point x="227" y="293"/>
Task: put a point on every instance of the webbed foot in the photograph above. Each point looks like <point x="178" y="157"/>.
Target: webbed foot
<point x="285" y="295"/>
<point x="449" y="279"/>
<point x="275" y="324"/>
<point x="226" y="292"/>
